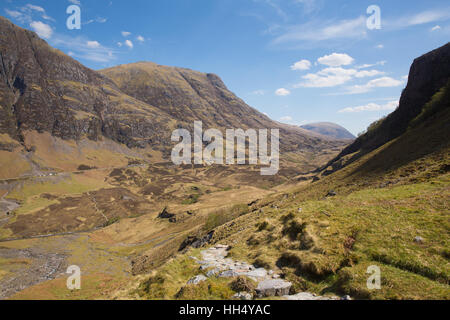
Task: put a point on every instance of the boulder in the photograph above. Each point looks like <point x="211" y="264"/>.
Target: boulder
<point x="164" y="214"/>
<point x="331" y="193"/>
<point x="229" y="274"/>
<point x="243" y="296"/>
<point x="273" y="287"/>
<point x="418" y="239"/>
<point x="197" y="279"/>
<point x="212" y="273"/>
<point x="257" y="273"/>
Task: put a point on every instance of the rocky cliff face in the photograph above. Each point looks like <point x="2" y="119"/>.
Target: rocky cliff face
<point x="43" y="89"/>
<point x="428" y="74"/>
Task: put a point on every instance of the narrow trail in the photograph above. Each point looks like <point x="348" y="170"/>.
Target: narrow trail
<point x="216" y="264"/>
<point x="45" y="266"/>
<point x="96" y="206"/>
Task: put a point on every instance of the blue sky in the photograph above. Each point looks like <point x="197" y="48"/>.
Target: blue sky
<point x="298" y="61"/>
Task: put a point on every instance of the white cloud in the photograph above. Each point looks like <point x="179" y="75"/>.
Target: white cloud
<point x="429" y="16"/>
<point x="336" y="60"/>
<point x="316" y="31"/>
<point x="129" y="44"/>
<point x="25" y="14"/>
<point x="43" y="30"/>
<point x="258" y="92"/>
<point x="433" y="15"/>
<point x="383" y="82"/>
<point x="331" y="77"/>
<point x="301" y="65"/>
<point x="93" y="44"/>
<point x="368" y="73"/>
<point x="77" y="2"/>
<point x="13" y="13"/>
<point x="309" y="5"/>
<point x="120" y="44"/>
<point x="82" y="48"/>
<point x="282" y="92"/>
<point x="98" y="20"/>
<point x="35" y="8"/>
<point x="276" y="7"/>
<point x="29" y="9"/>
<point x="371" y="107"/>
<point x="286" y="119"/>
<point x="125" y="33"/>
<point x="365" y="66"/>
<point x="140" y="38"/>
<point x="380" y="46"/>
<point x="435" y="28"/>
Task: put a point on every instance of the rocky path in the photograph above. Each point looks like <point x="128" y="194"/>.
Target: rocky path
<point x="43" y="266"/>
<point x="216" y="264"/>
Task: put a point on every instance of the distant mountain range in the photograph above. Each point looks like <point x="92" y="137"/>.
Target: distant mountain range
<point x="329" y="129"/>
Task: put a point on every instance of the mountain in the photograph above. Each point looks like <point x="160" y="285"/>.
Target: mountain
<point x="47" y="99"/>
<point x="329" y="129"/>
<point x="425" y="96"/>
<point x="45" y="90"/>
<point x="188" y="95"/>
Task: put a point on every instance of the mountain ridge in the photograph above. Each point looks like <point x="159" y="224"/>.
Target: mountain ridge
<point x="329" y="129"/>
<point x="70" y="101"/>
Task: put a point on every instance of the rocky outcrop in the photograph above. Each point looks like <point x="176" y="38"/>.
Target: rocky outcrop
<point x="273" y="287"/>
<point x="428" y="74"/>
<point x="196" y="242"/>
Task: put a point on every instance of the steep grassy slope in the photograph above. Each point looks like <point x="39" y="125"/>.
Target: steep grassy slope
<point x="325" y="244"/>
<point x="385" y="206"/>
<point x="189" y="95"/>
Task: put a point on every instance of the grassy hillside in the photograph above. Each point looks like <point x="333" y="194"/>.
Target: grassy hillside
<point x="324" y="243"/>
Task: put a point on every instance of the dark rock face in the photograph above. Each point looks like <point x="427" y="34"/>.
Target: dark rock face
<point x="195" y="242"/>
<point x="165" y="214"/>
<point x="428" y="74"/>
<point x="43" y="89"/>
